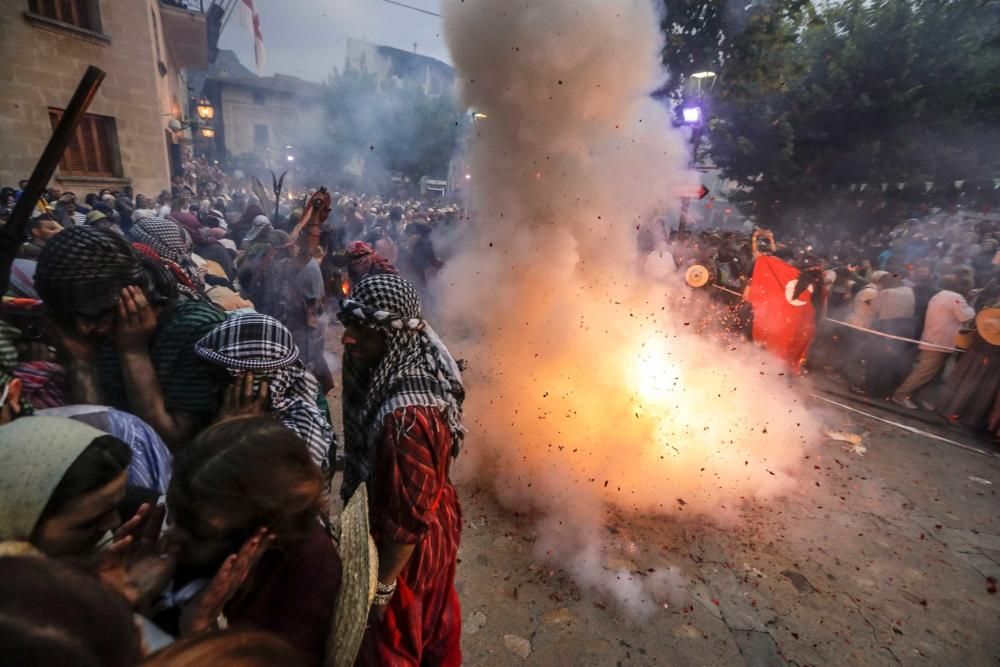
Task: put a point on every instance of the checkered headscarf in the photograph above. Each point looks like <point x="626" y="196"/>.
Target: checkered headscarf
<point x="262" y="345"/>
<point x="84" y="268"/>
<point x="170" y="241"/>
<point x="417" y="370"/>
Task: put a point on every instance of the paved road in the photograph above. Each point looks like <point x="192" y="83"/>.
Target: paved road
<point x="880" y="558"/>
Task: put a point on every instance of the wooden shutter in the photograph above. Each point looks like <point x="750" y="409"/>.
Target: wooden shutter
<point x="74" y="12"/>
<point x="89" y="151"/>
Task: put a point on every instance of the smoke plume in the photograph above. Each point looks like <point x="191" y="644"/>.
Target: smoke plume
<point x="587" y="391"/>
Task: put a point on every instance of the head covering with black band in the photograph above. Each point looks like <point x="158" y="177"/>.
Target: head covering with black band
<point x="83" y="269"/>
<point x="417" y="370"/>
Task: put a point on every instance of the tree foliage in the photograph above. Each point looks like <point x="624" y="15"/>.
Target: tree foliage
<point x="386" y="127"/>
<point x="812" y="97"/>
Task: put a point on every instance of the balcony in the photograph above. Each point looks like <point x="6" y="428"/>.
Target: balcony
<point x="185" y="32"/>
<point x="187" y="5"/>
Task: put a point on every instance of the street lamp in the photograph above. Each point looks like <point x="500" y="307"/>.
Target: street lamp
<point x="703" y="75"/>
<point x="691" y="115"/>
<point x="205" y="109"/>
<point x="479" y="115"/>
<point x="208" y="132"/>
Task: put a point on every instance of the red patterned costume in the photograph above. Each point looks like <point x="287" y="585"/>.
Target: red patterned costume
<point x="414" y="502"/>
<point x="402" y="428"/>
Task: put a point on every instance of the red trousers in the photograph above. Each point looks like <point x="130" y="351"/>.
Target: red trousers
<point x="414" y="634"/>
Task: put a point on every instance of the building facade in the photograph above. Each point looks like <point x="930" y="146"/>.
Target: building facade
<point x="389" y="64"/>
<point x="261" y="115"/>
<point x="130" y="134"/>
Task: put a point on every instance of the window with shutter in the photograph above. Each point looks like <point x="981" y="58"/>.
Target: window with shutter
<point x="75" y="12"/>
<point x="93" y="149"/>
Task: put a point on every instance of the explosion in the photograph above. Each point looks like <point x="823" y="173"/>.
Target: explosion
<point x="587" y="390"/>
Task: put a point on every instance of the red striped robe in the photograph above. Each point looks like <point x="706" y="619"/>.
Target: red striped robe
<point x="414" y="502"/>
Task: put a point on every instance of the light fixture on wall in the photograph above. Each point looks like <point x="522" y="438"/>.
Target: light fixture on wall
<point x="204" y="109"/>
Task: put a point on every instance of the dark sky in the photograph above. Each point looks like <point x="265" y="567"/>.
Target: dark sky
<point x="308" y="38"/>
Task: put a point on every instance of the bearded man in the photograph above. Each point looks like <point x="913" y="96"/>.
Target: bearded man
<point x="403" y="397"/>
<point x="126" y="333"/>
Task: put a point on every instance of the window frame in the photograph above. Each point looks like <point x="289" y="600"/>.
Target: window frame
<point x="257" y="142"/>
<point x="93" y="31"/>
<point x="104" y="140"/>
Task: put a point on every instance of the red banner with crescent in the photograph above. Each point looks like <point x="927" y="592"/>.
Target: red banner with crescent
<point x="783" y="323"/>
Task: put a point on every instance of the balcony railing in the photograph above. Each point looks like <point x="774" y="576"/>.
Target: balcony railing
<point x="187" y="5"/>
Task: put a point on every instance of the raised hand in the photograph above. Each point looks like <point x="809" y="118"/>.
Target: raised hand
<point x="136" y="320"/>
<point x="134" y="564"/>
<point x="201" y="613"/>
<point x="240" y="400"/>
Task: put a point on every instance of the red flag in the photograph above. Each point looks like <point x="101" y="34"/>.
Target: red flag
<point x="782" y="323"/>
<point x="251" y="21"/>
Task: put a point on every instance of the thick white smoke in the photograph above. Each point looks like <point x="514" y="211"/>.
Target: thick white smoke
<point x="586" y="390"/>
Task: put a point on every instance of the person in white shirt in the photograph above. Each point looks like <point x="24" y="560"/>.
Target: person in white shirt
<point x="863" y="313"/>
<point x="946" y="312"/>
<point x="163" y="209"/>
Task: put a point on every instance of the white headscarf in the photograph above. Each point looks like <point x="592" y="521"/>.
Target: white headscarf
<point x="35" y="453"/>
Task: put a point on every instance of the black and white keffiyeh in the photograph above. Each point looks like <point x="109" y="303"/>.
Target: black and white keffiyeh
<point x="417" y="370"/>
<point x="262" y="345"/>
<point x="84" y="269"/>
<point x="170" y="241"/>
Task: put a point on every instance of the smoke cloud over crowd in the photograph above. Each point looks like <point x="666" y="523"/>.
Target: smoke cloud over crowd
<point x="587" y="392"/>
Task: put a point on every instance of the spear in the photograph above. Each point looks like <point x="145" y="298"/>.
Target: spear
<point x="278" y="183"/>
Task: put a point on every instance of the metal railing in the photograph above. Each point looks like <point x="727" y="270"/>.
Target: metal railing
<point x="186" y="5"/>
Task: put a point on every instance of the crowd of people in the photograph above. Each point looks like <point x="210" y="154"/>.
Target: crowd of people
<point x="167" y="453"/>
<point x="168" y="460"/>
<point x="907" y="312"/>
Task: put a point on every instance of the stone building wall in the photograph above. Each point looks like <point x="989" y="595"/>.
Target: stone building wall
<point x="40" y="65"/>
<point x="287" y="116"/>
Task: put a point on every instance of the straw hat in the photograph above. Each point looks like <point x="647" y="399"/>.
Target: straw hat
<point x="359" y="578"/>
<point x="227" y="299"/>
<point x="988" y="325"/>
<point x="697" y="276"/>
<point x="965" y="338"/>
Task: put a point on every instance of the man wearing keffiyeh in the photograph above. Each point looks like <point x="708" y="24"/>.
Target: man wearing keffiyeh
<point x="403" y="397"/>
<point x="260" y="347"/>
<point x="126" y="333"/>
<point x="173" y="246"/>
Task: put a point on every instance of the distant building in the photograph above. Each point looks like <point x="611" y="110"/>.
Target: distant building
<point x="126" y="138"/>
<point x="258" y="114"/>
<point x="399" y="66"/>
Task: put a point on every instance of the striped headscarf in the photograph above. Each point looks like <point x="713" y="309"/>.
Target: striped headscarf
<point x="83" y="269"/>
<point x="8" y="363"/>
<point x="262" y="345"/>
<point x="171" y="242"/>
<point x="417" y="370"/>
<point x="8" y="351"/>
